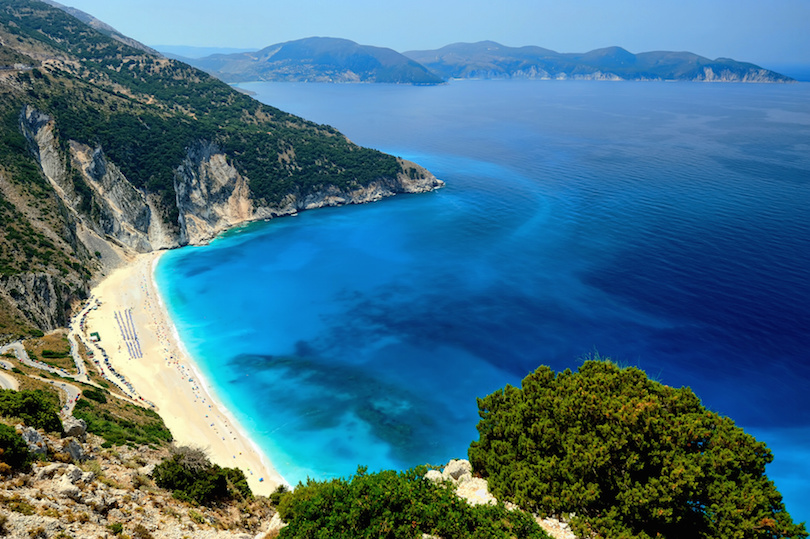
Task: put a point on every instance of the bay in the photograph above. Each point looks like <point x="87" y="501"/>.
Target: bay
<point x="663" y="225"/>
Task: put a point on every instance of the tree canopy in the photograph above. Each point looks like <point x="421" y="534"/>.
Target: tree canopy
<point x="630" y="456"/>
<point x="36" y="408"/>
<point x="395" y="505"/>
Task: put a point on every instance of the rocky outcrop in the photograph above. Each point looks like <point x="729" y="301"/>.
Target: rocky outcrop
<point x="36" y="443"/>
<point x="39" y="296"/>
<point x="74" y="428"/>
<point x="123" y="213"/>
<point x="211" y="194"/>
<point x="67" y="500"/>
<point x="475" y="491"/>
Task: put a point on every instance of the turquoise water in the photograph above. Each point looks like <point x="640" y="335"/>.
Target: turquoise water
<point x="664" y="225"/>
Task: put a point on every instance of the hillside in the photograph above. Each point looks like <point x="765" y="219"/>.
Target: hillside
<point x="488" y="60"/>
<point x="318" y="59"/>
<point x="109" y="150"/>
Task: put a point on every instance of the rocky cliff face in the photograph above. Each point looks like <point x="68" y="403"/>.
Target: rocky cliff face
<point x="40" y="297"/>
<point x="120" y="212"/>
<point x="212" y="195"/>
<point x="727" y="75"/>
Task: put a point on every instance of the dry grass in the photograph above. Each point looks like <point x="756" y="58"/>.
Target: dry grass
<point x="53" y="349"/>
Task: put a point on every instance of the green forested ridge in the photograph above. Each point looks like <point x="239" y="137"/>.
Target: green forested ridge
<point x="630" y="456"/>
<point x="144" y="112"/>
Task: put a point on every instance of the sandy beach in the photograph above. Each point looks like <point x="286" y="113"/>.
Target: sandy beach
<point x="142" y="345"/>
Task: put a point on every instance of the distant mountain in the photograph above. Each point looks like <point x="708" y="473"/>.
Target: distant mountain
<point x="488" y="60"/>
<point x="317" y="59"/>
<point x="184" y="52"/>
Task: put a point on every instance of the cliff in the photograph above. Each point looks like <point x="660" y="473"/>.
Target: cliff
<point x="110" y="150"/>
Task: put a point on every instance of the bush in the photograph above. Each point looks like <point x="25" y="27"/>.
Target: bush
<point x="121" y="424"/>
<point x="395" y="505"/>
<point x="14" y="454"/>
<point x="95" y="394"/>
<point x="194" y="479"/>
<point x="631" y="457"/>
<point x="36" y="408"/>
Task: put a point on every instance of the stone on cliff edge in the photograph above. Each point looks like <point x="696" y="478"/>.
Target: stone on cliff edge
<point x="67" y="489"/>
<point x="48" y="471"/>
<point x="74" y="428"/>
<point x="36" y="443"/>
<point x="434" y="476"/>
<point x="72" y="448"/>
<point x="456" y="468"/>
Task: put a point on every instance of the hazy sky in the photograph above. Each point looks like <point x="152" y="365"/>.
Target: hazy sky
<point x="759" y="31"/>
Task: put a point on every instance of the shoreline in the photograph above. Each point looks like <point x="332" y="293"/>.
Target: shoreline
<point x="165" y="373"/>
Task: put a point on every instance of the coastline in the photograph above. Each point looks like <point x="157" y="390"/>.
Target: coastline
<point x="166" y="375"/>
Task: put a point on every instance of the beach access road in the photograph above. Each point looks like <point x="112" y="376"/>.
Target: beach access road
<point x="7" y="381"/>
<point x="22" y="357"/>
<point x="75" y="330"/>
<point x="72" y="394"/>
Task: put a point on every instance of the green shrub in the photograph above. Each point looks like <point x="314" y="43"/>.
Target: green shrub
<point x="13" y="450"/>
<point x="95" y="394"/>
<point x="395" y="505"/>
<point x="190" y="477"/>
<point x="631" y="457"/>
<point x="36" y="408"/>
<point x="122" y="424"/>
<point x="196" y="516"/>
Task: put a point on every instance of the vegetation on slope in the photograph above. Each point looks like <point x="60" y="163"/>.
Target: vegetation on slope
<point x="630" y="456"/>
<point x="14" y="454"/>
<point x="36" y="409"/>
<point x="119" y="422"/>
<point x="192" y="478"/>
<point x="144" y="112"/>
<point x="395" y="505"/>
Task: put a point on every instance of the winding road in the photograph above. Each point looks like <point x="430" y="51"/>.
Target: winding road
<point x="9" y="382"/>
<point x="6" y="380"/>
<point x="72" y="392"/>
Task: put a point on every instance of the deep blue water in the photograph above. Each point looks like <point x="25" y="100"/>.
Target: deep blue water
<point x="663" y="225"/>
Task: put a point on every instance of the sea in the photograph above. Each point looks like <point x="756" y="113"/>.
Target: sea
<point x="663" y="225"/>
